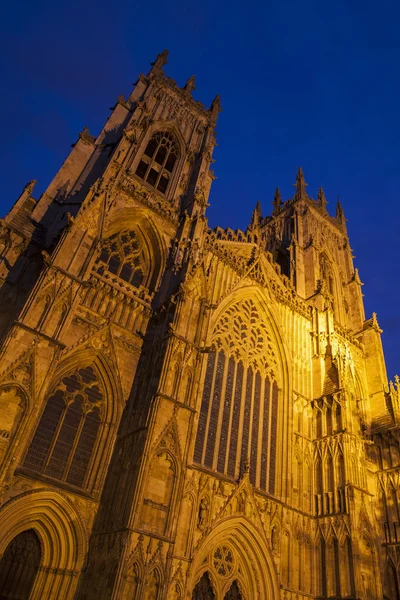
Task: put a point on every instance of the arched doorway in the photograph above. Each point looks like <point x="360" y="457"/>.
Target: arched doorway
<point x="203" y="589"/>
<point x="19" y="566"/>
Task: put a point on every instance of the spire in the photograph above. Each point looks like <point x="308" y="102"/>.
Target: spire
<point x="161" y="60"/>
<point x="322" y="202"/>
<point x="215" y="108"/>
<point x="277" y="202"/>
<point x="300" y="185"/>
<point x="340" y="218"/>
<point x="190" y="85"/>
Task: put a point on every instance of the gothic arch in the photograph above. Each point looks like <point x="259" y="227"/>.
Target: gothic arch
<point x="246" y="351"/>
<point x="61" y="532"/>
<point x="155" y="247"/>
<point x="172" y="126"/>
<point x="257" y="575"/>
<point x="335" y="290"/>
<point x="112" y="402"/>
<point x="265" y="304"/>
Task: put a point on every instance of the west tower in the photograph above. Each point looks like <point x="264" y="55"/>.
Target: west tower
<point x="187" y="412"/>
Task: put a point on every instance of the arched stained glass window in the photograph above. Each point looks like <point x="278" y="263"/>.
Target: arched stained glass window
<point x="237" y="424"/>
<point x="122" y="255"/>
<point x="65" y="438"/>
<point x="158" y="160"/>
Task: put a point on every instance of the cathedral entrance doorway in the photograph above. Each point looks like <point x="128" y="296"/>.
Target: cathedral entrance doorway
<point x="234" y="563"/>
<point x="19" y="566"/>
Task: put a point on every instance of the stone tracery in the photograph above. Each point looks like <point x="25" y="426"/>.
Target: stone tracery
<point x="237" y="421"/>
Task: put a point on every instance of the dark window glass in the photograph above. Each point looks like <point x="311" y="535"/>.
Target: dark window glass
<point x="161" y="154"/>
<point x="151" y="147"/>
<point x="122" y="256"/>
<point x="163" y="184"/>
<point x="137" y="278"/>
<point x="158" y="160"/>
<point x="64" y="440"/>
<point x="142" y="168"/>
<point x="169" y="165"/>
<point x="152" y="177"/>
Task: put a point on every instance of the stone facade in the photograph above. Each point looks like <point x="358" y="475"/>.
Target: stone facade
<point x="186" y="412"/>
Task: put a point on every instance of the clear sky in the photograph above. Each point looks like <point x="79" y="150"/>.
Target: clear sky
<point x="308" y="83"/>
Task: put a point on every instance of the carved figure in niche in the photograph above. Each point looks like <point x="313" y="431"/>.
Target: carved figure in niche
<point x="241" y="504"/>
<point x="11" y="407"/>
<point x="274" y="539"/>
<point x="203" y="513"/>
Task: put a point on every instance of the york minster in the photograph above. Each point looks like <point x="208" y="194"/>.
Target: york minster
<point x="186" y="412"/>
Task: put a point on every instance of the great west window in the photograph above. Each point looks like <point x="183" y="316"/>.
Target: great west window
<point x="158" y="160"/>
<point x="238" y="415"/>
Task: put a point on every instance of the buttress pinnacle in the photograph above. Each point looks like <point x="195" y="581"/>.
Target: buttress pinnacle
<point x="277" y="202"/>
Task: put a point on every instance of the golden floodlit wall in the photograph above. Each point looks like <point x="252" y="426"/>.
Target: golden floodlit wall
<point x="186" y="412"/>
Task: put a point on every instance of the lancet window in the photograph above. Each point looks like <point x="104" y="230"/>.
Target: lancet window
<point x="65" y="439"/>
<point x="238" y="416"/>
<point x="122" y="255"/>
<point x="158" y="160"/>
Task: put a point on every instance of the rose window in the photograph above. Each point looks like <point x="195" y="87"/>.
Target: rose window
<point x="223" y="561"/>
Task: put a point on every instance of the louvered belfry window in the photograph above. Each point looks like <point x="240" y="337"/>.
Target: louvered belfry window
<point x="122" y="255"/>
<point x="66" y="436"/>
<point x="158" y="160"/>
<point x="239" y="409"/>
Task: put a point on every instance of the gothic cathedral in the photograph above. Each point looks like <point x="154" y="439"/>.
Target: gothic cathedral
<point x="187" y="413"/>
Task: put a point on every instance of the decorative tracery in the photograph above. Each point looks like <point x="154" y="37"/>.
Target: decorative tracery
<point x="122" y="255"/>
<point x="238" y="416"/>
<point x="158" y="160"/>
<point x="65" y="438"/>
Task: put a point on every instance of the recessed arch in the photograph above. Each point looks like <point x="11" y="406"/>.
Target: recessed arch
<point x="84" y="396"/>
<point x="154" y="245"/>
<point x="171" y="127"/>
<point x="257" y="576"/>
<point x="60" y="529"/>
<point x="246" y="380"/>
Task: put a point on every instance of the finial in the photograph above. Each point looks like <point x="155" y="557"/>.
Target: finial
<point x="190" y="85"/>
<point x="322" y="202"/>
<point x="28" y="188"/>
<point x="215" y="107"/>
<point x="160" y="61"/>
<point x="300" y="185"/>
<point x="277" y="202"/>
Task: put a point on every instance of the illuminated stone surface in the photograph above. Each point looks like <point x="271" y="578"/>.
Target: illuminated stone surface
<point x="186" y="412"/>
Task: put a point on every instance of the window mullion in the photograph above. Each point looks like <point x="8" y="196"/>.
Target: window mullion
<point x="74" y="445"/>
<point x="55" y="438"/>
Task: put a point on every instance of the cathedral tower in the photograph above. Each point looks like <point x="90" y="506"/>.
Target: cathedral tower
<point x="187" y="413"/>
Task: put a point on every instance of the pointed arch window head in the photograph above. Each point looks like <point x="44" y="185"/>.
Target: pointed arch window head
<point x="122" y="255"/>
<point x="158" y="161"/>
<point x="65" y="438"/>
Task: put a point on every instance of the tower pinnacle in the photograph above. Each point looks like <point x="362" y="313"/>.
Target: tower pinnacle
<point x="161" y="60"/>
<point x="190" y="85"/>
<point x="300" y="185"/>
<point x="322" y="202"/>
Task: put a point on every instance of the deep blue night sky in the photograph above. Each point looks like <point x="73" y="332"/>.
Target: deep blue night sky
<point x="306" y="83"/>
